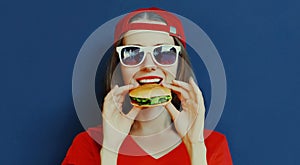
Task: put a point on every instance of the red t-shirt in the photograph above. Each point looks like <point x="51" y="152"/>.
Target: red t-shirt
<point x="86" y="151"/>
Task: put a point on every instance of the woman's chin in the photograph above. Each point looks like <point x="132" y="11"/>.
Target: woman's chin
<point x="150" y="113"/>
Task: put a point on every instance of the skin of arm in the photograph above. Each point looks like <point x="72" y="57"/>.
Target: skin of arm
<point x="108" y="157"/>
<point x="196" y="151"/>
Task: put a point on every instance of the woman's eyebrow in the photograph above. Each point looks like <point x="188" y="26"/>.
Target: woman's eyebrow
<point x="135" y="44"/>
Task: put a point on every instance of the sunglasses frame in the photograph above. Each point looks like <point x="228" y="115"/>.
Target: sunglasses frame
<point x="147" y="49"/>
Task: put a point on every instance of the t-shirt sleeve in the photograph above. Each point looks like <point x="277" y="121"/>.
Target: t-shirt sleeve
<point x="83" y="150"/>
<point x="218" y="150"/>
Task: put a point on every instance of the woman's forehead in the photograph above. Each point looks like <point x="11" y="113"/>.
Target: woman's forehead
<point x="147" y="37"/>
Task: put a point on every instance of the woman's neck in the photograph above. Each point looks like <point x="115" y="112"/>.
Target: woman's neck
<point x="151" y="121"/>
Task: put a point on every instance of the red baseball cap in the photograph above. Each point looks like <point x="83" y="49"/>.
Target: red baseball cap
<point x="173" y="24"/>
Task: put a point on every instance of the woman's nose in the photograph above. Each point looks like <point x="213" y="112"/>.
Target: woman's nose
<point x="148" y="64"/>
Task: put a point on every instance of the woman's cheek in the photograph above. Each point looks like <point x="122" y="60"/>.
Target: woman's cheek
<point x="128" y="74"/>
<point x="170" y="73"/>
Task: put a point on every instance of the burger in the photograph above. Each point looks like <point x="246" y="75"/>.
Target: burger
<point x="149" y="95"/>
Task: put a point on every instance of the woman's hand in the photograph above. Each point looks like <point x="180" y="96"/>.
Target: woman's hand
<point x="189" y="123"/>
<point x="116" y="124"/>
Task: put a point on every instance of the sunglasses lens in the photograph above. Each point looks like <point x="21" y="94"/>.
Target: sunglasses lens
<point x="165" y="55"/>
<point x="131" y="55"/>
<point x="134" y="55"/>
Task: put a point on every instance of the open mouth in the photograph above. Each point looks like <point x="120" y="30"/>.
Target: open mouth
<point x="149" y="80"/>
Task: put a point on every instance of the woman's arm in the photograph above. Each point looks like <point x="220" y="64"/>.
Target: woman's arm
<point x="197" y="152"/>
<point x="116" y="124"/>
<point x="189" y="123"/>
<point x="108" y="157"/>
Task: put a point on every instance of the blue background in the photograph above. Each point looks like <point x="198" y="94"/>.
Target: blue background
<point x="258" y="41"/>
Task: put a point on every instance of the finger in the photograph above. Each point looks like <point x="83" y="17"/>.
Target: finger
<point x="179" y="91"/>
<point x="182" y="84"/>
<point x="124" y="89"/>
<point x="195" y="88"/>
<point x="112" y="103"/>
<point x="174" y="113"/>
<point x="132" y="114"/>
<point x="108" y="107"/>
<point x="118" y="95"/>
<point x="109" y="94"/>
<point x="134" y="82"/>
<point x="109" y="110"/>
<point x="185" y="86"/>
<point x="198" y="93"/>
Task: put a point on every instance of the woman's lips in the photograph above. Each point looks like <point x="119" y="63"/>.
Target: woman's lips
<point x="149" y="80"/>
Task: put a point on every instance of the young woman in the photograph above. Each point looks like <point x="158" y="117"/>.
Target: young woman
<point x="150" y="48"/>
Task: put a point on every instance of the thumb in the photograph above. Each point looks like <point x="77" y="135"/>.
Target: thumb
<point x="172" y="110"/>
<point x="133" y="112"/>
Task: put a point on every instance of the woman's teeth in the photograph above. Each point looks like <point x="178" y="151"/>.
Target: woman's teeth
<point x="149" y="81"/>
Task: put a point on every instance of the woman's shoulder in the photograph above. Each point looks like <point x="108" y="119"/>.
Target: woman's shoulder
<point x="92" y="136"/>
<point x="211" y="135"/>
<point x="214" y="139"/>
<point x="217" y="148"/>
<point x="89" y="139"/>
<point x="84" y="148"/>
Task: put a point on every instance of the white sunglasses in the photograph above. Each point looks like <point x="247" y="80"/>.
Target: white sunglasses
<point x="133" y="55"/>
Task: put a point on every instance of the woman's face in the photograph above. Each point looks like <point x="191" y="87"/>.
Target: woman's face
<point x="148" y="70"/>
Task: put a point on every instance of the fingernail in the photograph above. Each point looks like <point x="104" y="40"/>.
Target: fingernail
<point x="192" y="79"/>
<point x="164" y="84"/>
<point x="174" y="81"/>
